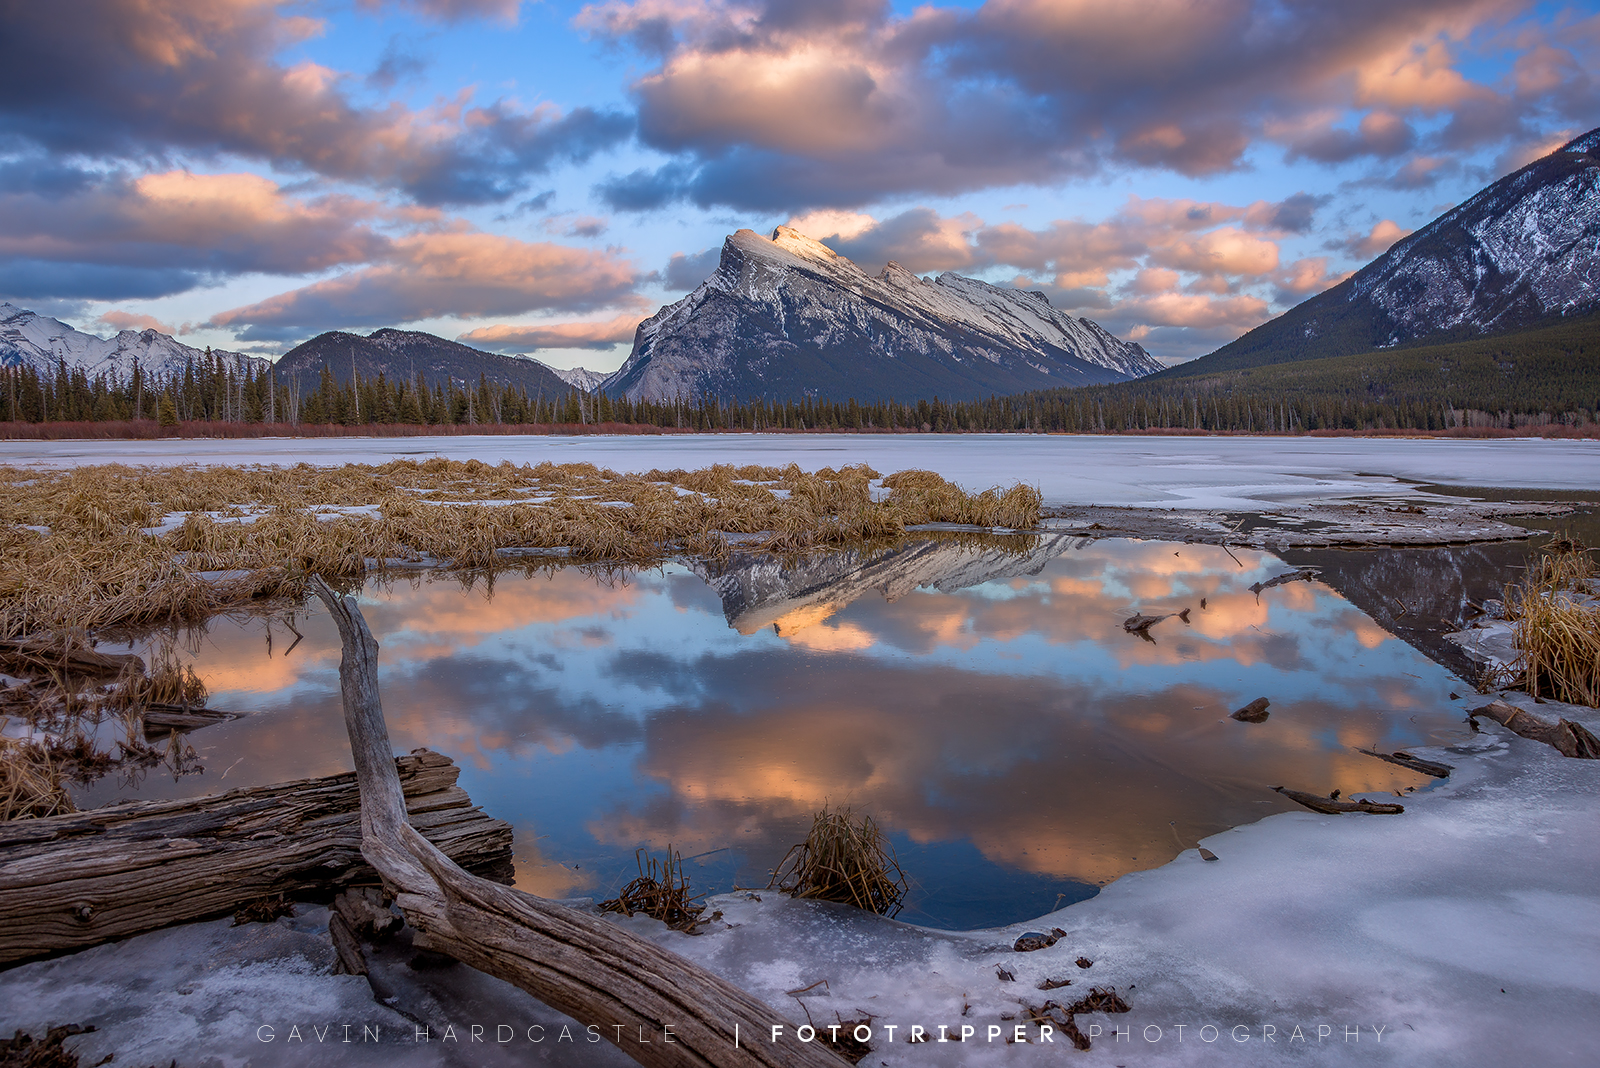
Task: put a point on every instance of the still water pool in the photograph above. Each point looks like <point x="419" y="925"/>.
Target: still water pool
<point x="978" y="696"/>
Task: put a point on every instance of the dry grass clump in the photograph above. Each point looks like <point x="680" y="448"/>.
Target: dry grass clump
<point x="168" y="683"/>
<point x="32" y="784"/>
<point x="661" y="892"/>
<point x="844" y="859"/>
<point x="97" y="546"/>
<point x="1563" y="564"/>
<point x="1560" y="643"/>
<point x="1556" y="627"/>
<point x="924" y="497"/>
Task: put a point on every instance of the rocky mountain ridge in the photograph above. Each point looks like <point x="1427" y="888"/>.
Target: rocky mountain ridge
<point x="28" y="339"/>
<point x="1522" y="253"/>
<point x="404" y="354"/>
<point x="787" y="316"/>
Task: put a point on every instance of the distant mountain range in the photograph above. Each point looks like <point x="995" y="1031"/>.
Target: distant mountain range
<point x="580" y="377"/>
<point x="32" y="340"/>
<point x="786" y="317"/>
<point x="28" y="339"/>
<point x="1522" y="254"/>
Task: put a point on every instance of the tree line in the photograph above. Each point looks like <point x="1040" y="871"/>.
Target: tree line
<point x="1402" y="392"/>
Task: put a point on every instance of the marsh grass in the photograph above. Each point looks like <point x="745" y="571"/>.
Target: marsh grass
<point x="80" y="722"/>
<point x="846" y="859"/>
<point x="32" y="783"/>
<point x="661" y="892"/>
<point x="94" y="547"/>
<point x="1556" y="625"/>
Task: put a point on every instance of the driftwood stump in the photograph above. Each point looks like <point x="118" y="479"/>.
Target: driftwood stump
<point x="574" y="962"/>
<point x="75" y="880"/>
<point x="1569" y="738"/>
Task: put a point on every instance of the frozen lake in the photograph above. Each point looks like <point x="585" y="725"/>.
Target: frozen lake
<point x="1177" y="472"/>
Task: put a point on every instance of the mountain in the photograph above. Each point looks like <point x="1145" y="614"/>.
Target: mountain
<point x="788" y="317"/>
<point x="759" y="590"/>
<point x="579" y="377"/>
<point x="1523" y="253"/>
<point x="38" y="341"/>
<point x="405" y="353"/>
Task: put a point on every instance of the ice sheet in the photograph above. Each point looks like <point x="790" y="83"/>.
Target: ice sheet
<point x="1232" y="473"/>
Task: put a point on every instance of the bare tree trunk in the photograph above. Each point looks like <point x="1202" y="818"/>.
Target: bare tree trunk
<point x="577" y="963"/>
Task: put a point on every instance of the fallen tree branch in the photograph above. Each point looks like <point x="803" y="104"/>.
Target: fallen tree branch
<point x="82" y="878"/>
<point x="1305" y="574"/>
<point x="572" y="961"/>
<point x="1332" y="806"/>
<point x="161" y="719"/>
<point x="50" y="653"/>
<point x="1406" y="760"/>
<point x="1569" y="738"/>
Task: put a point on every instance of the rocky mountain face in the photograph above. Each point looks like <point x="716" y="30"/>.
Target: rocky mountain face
<point x="760" y="590"/>
<point x="579" y="377"/>
<point x="1524" y="252"/>
<point x="788" y="317"/>
<point x="407" y="353"/>
<point x="38" y="341"/>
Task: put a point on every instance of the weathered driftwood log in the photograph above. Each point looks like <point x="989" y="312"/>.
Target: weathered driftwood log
<point x="578" y="963"/>
<point x="161" y="719"/>
<point x="1139" y="623"/>
<point x="1254" y="712"/>
<point x="1570" y="739"/>
<point x="1332" y="806"/>
<point x="1406" y="760"/>
<point x="75" y="880"/>
<point x="48" y="653"/>
<point x="1305" y="574"/>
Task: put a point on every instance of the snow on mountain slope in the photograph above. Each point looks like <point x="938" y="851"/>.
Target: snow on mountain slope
<point x="578" y="377"/>
<point x="37" y="341"/>
<point x="1516" y="255"/>
<point x="789" y="317"/>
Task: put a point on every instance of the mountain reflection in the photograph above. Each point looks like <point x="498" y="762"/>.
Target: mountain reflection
<point x="978" y="696"/>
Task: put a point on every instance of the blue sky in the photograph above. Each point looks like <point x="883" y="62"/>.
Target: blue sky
<point x="538" y="177"/>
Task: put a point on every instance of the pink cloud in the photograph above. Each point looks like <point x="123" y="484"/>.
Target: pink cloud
<point x="143" y="78"/>
<point x="768" y="103"/>
<point x="1377" y="240"/>
<point x="121" y="320"/>
<point x="219" y="222"/>
<point x="448" y="273"/>
<point x="578" y="335"/>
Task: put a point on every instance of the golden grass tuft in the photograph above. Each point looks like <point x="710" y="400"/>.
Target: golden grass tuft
<point x="844" y="859"/>
<point x="1556" y="632"/>
<point x="661" y="892"/>
<point x="31" y="781"/>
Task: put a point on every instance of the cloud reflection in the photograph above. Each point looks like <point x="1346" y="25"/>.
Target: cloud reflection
<point x="976" y="695"/>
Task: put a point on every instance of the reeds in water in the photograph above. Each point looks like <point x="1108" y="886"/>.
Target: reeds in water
<point x="845" y="858"/>
<point x="1556" y="627"/>
<point x="661" y="892"/>
<point x="31" y="781"/>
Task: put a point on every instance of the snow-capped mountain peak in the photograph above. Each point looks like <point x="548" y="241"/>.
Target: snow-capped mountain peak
<point x="786" y="316"/>
<point x="43" y="343"/>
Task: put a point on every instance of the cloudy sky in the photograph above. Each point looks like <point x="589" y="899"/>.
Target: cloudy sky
<point x="539" y="176"/>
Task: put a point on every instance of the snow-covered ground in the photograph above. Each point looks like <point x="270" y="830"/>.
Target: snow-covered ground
<point x="1228" y="473"/>
<point x="1464" y="932"/>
